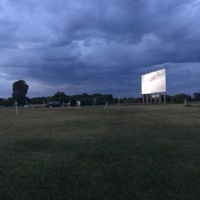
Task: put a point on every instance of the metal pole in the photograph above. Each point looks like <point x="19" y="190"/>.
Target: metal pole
<point x="16" y="108"/>
<point x="165" y="98"/>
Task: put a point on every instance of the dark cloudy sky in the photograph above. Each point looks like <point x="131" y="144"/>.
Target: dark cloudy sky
<point x="98" y="46"/>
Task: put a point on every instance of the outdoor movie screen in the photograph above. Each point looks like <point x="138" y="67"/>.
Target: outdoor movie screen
<point x="154" y="82"/>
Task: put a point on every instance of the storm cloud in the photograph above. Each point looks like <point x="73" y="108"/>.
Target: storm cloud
<point x="98" y="46"/>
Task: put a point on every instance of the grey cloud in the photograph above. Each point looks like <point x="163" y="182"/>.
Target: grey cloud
<point x="97" y="44"/>
<point x="7" y="34"/>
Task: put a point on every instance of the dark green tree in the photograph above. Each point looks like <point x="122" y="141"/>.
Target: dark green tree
<point x="2" y="102"/>
<point x="179" y="98"/>
<point x="60" y="96"/>
<point x="9" y="101"/>
<point x="197" y="96"/>
<point x="20" y="89"/>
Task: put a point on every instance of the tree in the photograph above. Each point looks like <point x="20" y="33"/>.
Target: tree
<point x="60" y="96"/>
<point x="197" y="96"/>
<point x="179" y="98"/>
<point x="20" y="89"/>
<point x="38" y="100"/>
<point x="9" y="101"/>
<point x="2" y="102"/>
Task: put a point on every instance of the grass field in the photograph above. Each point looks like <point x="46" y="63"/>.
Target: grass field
<point x="138" y="152"/>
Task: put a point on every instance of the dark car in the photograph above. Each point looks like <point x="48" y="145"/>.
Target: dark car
<point x="54" y="104"/>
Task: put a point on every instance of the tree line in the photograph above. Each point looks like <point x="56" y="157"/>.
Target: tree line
<point x="20" y="90"/>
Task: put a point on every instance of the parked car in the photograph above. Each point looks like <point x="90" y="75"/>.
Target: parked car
<point x="30" y="106"/>
<point x="54" y="104"/>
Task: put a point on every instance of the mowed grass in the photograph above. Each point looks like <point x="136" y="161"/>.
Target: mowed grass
<point x="138" y="152"/>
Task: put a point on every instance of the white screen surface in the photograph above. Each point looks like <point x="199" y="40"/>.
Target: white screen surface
<point x="154" y="82"/>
